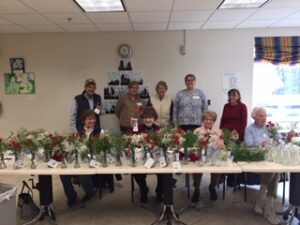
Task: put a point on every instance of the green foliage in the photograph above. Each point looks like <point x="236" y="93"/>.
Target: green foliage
<point x="118" y="141"/>
<point x="244" y="153"/>
<point x="102" y="144"/>
<point x="189" y="139"/>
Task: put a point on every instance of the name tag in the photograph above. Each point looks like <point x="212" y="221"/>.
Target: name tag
<point x="176" y="166"/>
<point x="52" y="163"/>
<point x="162" y="162"/>
<point x="97" y="111"/>
<point x="139" y="104"/>
<point x="196" y="97"/>
<point x="94" y="163"/>
<point x="149" y="163"/>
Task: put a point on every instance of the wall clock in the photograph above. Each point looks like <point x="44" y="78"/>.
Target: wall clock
<point x="124" y="51"/>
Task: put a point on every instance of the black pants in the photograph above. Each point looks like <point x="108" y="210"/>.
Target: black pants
<point x="141" y="181"/>
<point x="189" y="127"/>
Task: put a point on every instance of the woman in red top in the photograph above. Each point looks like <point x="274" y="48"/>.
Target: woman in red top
<point x="234" y="116"/>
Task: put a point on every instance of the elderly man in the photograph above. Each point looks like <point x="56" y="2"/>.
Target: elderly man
<point x="86" y="100"/>
<point x="257" y="135"/>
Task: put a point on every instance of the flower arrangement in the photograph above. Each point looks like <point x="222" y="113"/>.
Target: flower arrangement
<point x="272" y="129"/>
<point x="102" y="146"/>
<point x="150" y="143"/>
<point x="230" y="138"/>
<point x="118" y="144"/>
<point x="244" y="153"/>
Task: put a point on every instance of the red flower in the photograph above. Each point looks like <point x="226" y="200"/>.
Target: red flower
<point x="29" y="142"/>
<point x="194" y="157"/>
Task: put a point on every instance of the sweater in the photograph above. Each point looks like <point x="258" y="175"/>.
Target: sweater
<point x="234" y="117"/>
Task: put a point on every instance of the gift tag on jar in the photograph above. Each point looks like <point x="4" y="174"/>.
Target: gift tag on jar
<point x="162" y="162"/>
<point x="94" y="163"/>
<point x="149" y="163"/>
<point x="20" y="163"/>
<point x="52" y="163"/>
<point x="110" y="159"/>
<point x="176" y="166"/>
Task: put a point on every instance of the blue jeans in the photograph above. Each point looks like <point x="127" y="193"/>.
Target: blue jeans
<point x="85" y="181"/>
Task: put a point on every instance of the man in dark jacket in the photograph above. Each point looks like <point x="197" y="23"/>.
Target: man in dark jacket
<point x="87" y="100"/>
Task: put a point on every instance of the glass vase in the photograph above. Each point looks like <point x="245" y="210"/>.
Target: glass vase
<point x="166" y="156"/>
<point x="16" y="163"/>
<point x="63" y="161"/>
<point x="104" y="159"/>
<point x="2" y="162"/>
<point x="118" y="158"/>
<point x="76" y="164"/>
<point x="185" y="157"/>
<point x="47" y="155"/>
<point x="33" y="161"/>
<point x="133" y="161"/>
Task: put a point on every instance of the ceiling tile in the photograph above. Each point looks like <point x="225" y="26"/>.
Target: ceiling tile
<point x="283" y="4"/>
<point x="220" y="24"/>
<point x="148" y="5"/>
<point x="115" y="27"/>
<point x="13" y="29"/>
<point x="27" y="19"/>
<point x="190" y="16"/>
<point x="150" y="26"/>
<point x="44" y="28"/>
<point x="109" y="17"/>
<point x="263" y="13"/>
<point x="196" y="4"/>
<point x="185" y="26"/>
<point x="52" y="6"/>
<point x="148" y="17"/>
<point x="4" y="22"/>
<point x="232" y="14"/>
<point x="61" y="18"/>
<point x="13" y="7"/>
<point x="255" y="23"/>
<point x="287" y="23"/>
<point x="80" y="27"/>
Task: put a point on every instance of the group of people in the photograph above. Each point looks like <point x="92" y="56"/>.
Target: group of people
<point x="188" y="111"/>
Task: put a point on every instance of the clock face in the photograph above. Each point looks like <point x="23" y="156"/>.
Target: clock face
<point x="124" y="51"/>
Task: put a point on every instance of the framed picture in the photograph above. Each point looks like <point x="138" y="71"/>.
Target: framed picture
<point x="17" y="65"/>
<point x="20" y="83"/>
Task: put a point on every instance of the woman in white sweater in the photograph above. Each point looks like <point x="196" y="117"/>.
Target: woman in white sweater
<point x="163" y="105"/>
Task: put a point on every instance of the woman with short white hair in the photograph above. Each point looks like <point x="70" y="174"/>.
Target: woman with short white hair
<point x="256" y="135"/>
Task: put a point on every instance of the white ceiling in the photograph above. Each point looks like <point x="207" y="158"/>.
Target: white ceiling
<point x="31" y="16"/>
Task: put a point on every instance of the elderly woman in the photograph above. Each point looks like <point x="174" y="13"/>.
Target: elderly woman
<point x="234" y="116"/>
<point x="162" y="104"/>
<point x="189" y="105"/>
<point x="129" y="108"/>
<point x="256" y="135"/>
<point x="214" y="137"/>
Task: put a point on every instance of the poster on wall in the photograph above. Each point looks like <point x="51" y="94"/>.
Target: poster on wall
<point x="17" y="65"/>
<point x="127" y="76"/>
<point x="144" y="91"/>
<point x="21" y="83"/>
<point x="114" y="78"/>
<point x="109" y="106"/>
<point x="230" y="80"/>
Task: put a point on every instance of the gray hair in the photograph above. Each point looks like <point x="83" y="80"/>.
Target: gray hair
<point x="255" y="110"/>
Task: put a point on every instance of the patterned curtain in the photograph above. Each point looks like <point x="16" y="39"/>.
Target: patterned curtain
<point x="278" y="50"/>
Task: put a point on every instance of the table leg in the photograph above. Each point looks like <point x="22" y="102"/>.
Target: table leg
<point x="224" y="186"/>
<point x="245" y="187"/>
<point x="46" y="200"/>
<point x="168" y="208"/>
<point x="283" y="194"/>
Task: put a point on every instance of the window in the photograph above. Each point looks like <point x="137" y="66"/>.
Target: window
<point x="277" y="89"/>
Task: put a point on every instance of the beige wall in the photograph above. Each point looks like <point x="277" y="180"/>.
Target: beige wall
<point x="62" y="62"/>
